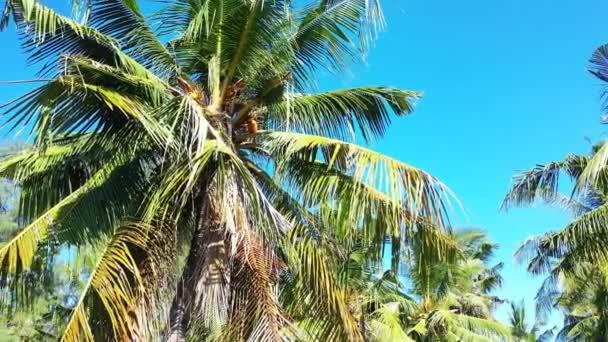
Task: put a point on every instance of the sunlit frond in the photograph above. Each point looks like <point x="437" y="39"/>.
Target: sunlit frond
<point x="422" y="194"/>
<point x="113" y="289"/>
<point x="386" y="325"/>
<point x="123" y="20"/>
<point x="326" y="36"/>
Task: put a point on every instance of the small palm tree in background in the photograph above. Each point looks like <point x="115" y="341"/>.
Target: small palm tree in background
<point x="200" y="161"/>
<point x="519" y="326"/>
<point x="584" y="302"/>
<point x="450" y="299"/>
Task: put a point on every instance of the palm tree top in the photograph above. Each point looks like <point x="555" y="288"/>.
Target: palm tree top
<point x="199" y="131"/>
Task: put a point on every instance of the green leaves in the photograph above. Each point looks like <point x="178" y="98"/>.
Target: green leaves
<point x="17" y="255"/>
<point x="325" y="36"/>
<point x="542" y="182"/>
<point x="420" y="193"/>
<point x="122" y="20"/>
<point x="130" y="129"/>
<point x="341" y="113"/>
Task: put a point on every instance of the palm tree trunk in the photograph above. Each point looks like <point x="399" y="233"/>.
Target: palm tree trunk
<point x="202" y="292"/>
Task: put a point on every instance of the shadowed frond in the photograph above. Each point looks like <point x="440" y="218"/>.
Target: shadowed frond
<point x="542" y="182"/>
<point x="17" y="255"/>
<point x="341" y="113"/>
<point x="315" y="290"/>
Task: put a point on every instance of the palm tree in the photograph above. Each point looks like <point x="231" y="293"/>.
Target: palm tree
<point x="572" y="257"/>
<point x="519" y="326"/>
<point x="584" y="302"/>
<point x="200" y="154"/>
<point x="589" y="174"/>
<point x="450" y="299"/>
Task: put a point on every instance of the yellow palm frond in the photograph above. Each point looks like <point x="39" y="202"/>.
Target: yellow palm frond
<point x="115" y="285"/>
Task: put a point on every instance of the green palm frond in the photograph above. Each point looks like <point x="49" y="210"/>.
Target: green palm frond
<point x="488" y="328"/>
<point x="315" y="290"/>
<point x="341" y="113"/>
<point x="386" y="325"/>
<point x="80" y="108"/>
<point x="324" y="36"/>
<point x="48" y="173"/>
<point x="133" y="33"/>
<point x="542" y="182"/>
<point x="585" y="234"/>
<point x="76" y="219"/>
<point x="18" y="253"/>
<point x="357" y="207"/>
<point x="50" y="35"/>
<point x="402" y="183"/>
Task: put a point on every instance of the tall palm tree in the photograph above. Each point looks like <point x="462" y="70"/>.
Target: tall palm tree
<point x="199" y="154"/>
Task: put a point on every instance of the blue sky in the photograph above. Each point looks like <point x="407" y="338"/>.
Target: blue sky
<point x="505" y="86"/>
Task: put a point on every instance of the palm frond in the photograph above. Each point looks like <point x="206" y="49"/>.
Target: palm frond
<point x="49" y="35"/>
<point x="326" y="34"/>
<point x="422" y="194"/>
<point x="113" y="289"/>
<point x="542" y="182"/>
<point x="123" y="20"/>
<point x="17" y="254"/>
<point x="386" y="325"/>
<point x="341" y="113"/>
<point x="315" y="290"/>
<point x="485" y="327"/>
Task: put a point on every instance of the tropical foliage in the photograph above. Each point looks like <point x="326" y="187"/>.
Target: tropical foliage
<point x="520" y="326"/>
<point x="449" y="300"/>
<point x="575" y="256"/>
<point x="194" y="152"/>
<point x="187" y="180"/>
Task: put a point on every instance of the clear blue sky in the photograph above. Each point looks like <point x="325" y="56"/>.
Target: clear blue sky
<point x="505" y="87"/>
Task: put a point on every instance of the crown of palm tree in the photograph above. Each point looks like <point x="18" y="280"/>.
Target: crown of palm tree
<point x="205" y="138"/>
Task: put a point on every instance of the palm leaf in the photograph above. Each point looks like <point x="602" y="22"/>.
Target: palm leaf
<point x="18" y="253"/>
<point x="542" y="182"/>
<point x="341" y="113"/>
<point x="419" y="192"/>
<point x="114" y="286"/>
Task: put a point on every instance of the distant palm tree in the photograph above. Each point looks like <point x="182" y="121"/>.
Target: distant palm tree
<point x="519" y="326"/>
<point x="584" y="238"/>
<point x="584" y="302"/>
<point x="450" y="299"/>
<point x="204" y="161"/>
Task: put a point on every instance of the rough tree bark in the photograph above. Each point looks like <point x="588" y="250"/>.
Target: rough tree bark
<point x="202" y="291"/>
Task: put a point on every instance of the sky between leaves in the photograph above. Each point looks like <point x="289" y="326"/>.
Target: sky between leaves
<point x="505" y="87"/>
